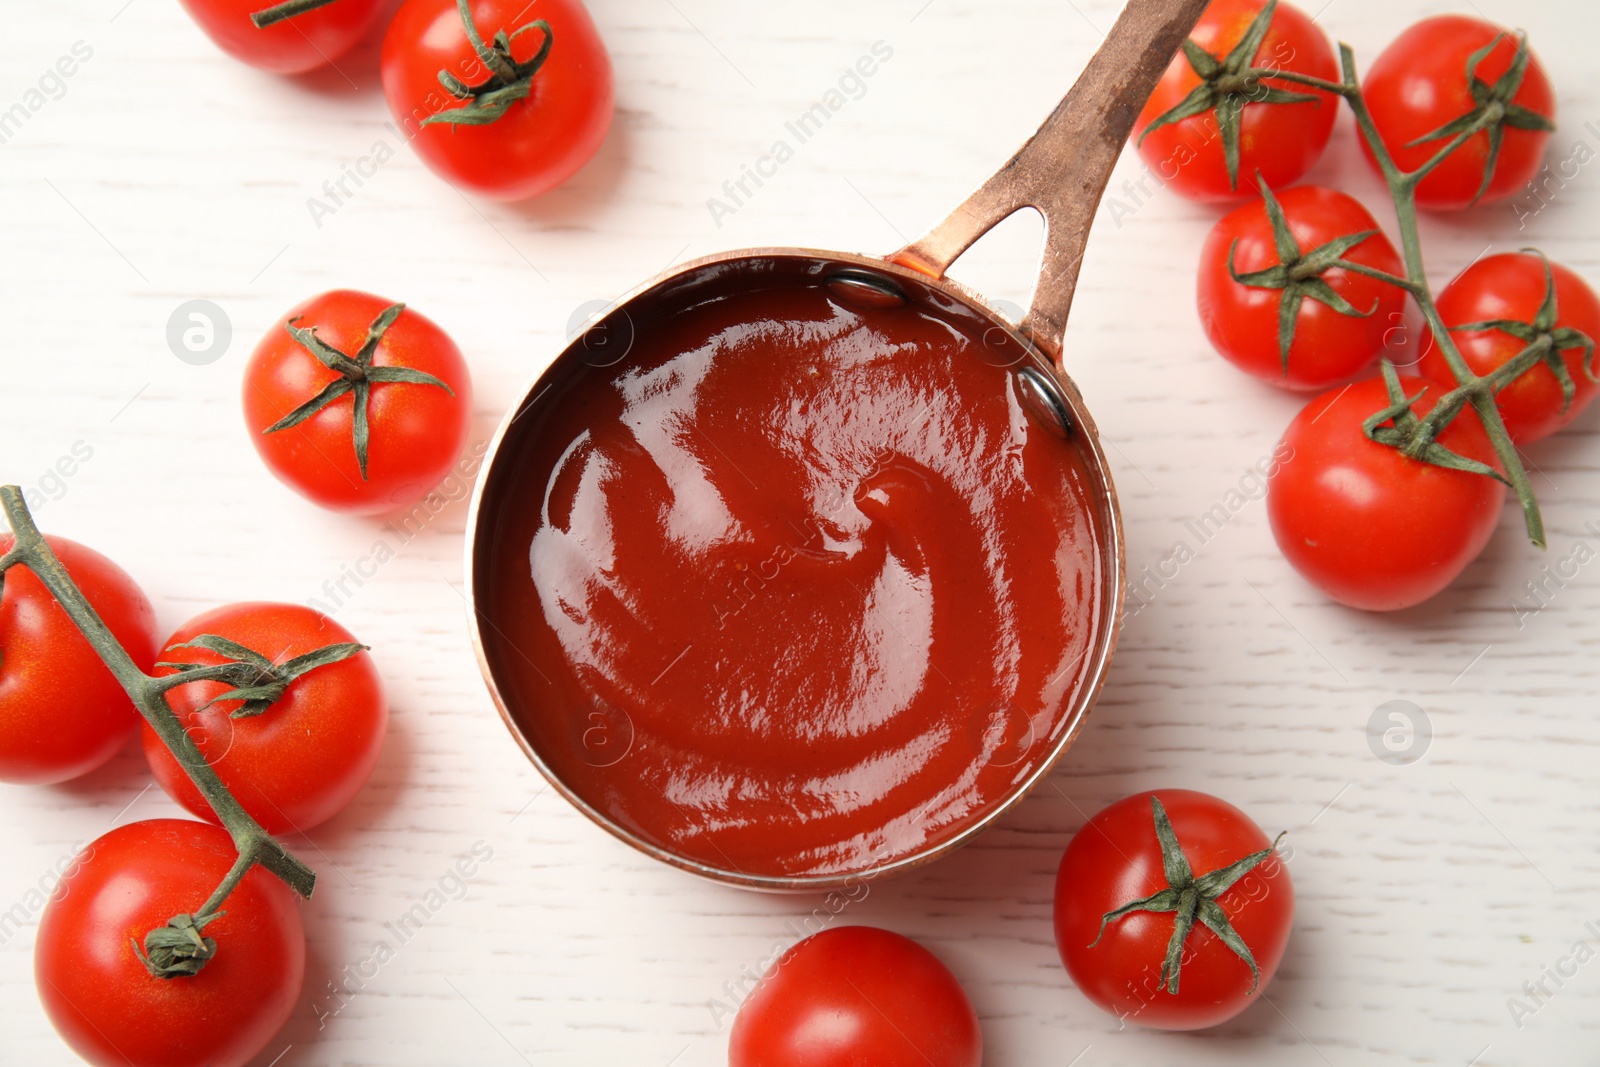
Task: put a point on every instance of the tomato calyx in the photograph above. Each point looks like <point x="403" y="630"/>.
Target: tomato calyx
<point x="1542" y="341"/>
<point x="282" y="12"/>
<point x="508" y="80"/>
<point x="1399" y="427"/>
<point x="357" y="375"/>
<point x="177" y="950"/>
<point x="1227" y="84"/>
<point x="1299" y="274"/>
<point x="1493" y="109"/>
<point x="256" y="680"/>
<point x="1191" y="898"/>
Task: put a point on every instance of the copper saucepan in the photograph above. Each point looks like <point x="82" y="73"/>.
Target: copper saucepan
<point x="1061" y="171"/>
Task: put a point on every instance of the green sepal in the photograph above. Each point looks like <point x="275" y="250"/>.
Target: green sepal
<point x="1329" y="255"/>
<point x="223" y="646"/>
<point x="326" y="354"/>
<point x="1165" y="900"/>
<point x="483" y="108"/>
<point x="1182" y="926"/>
<point x="360" y="423"/>
<point x="375" y="331"/>
<point x="406" y="374"/>
<point x="1216" y="920"/>
<point x="1219" y="881"/>
<point x="325" y="656"/>
<point x="330" y="392"/>
<point x="255" y="700"/>
<point x="1201" y="98"/>
<point x="1240" y="55"/>
<point x="1229" y="109"/>
<point x="1201" y="62"/>
<point x="1174" y="864"/>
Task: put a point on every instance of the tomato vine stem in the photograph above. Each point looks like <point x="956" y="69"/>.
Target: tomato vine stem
<point x="287" y="10"/>
<point x="255" y="846"/>
<point x="1471" y="389"/>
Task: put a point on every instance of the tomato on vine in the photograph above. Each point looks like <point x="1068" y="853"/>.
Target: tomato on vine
<point x="286" y="38"/>
<point x="856" y="995"/>
<point x="291" y="714"/>
<point x="1520" y="305"/>
<point x="1219" y="114"/>
<point x="62" y="713"/>
<point x="1284" y="292"/>
<point x="1172" y="909"/>
<point x="1454" y="78"/>
<point x="496" y="105"/>
<point x="1369" y="525"/>
<point x="134" y="973"/>
<point x="358" y="403"/>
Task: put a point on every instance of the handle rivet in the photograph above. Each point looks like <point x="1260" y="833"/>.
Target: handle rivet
<point x="862" y="289"/>
<point x="1042" y="399"/>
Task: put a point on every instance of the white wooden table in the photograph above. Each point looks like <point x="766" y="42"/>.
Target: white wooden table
<point x="1429" y="892"/>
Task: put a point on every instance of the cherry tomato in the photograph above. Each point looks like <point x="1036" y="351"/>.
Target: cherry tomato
<point x="299" y="761"/>
<point x="1330" y="345"/>
<point x="856" y="995"/>
<point x="415" y="428"/>
<point x="1116" y="955"/>
<point x="110" y="1008"/>
<point x="539" y="140"/>
<point x="1280" y="137"/>
<point x="1419" y="85"/>
<point x="1368" y="526"/>
<point x="295" y="45"/>
<point x="1510" y="288"/>
<point x="62" y="713"/>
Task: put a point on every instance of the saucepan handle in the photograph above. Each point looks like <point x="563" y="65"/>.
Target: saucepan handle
<point x="1063" y="169"/>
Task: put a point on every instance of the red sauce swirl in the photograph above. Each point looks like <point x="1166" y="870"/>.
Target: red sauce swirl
<point x="794" y="588"/>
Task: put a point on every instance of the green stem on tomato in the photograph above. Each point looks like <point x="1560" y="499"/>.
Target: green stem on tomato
<point x="507" y="80"/>
<point x="287" y="10"/>
<point x="1470" y="389"/>
<point x="255" y="846"/>
<point x="1381" y="275"/>
<point x="1311" y="81"/>
<point x="230" y="881"/>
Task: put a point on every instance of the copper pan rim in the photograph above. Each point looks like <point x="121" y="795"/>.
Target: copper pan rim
<point x="1112" y="557"/>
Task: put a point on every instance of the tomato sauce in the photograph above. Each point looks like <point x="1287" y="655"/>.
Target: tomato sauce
<point x="796" y="587"/>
